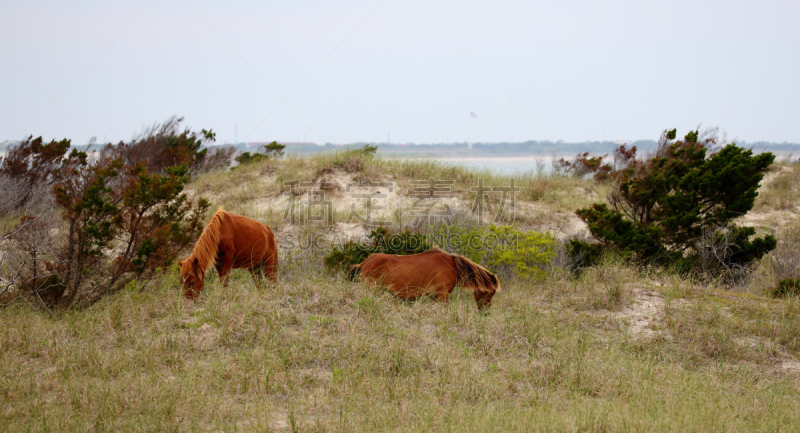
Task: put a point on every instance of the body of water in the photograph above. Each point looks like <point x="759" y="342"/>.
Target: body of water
<point x="506" y="165"/>
<point x="544" y="164"/>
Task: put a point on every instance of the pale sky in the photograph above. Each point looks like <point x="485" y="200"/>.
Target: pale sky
<point x="359" y="70"/>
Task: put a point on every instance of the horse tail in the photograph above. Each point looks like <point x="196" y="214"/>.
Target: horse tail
<point x="207" y="247"/>
<point x="475" y="276"/>
<point x="353" y="272"/>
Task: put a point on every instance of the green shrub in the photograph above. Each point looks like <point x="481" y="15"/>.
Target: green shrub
<point x="502" y="249"/>
<point x="122" y="222"/>
<point x="271" y="150"/>
<point x="663" y="208"/>
<point x="274" y="149"/>
<point x="583" y="255"/>
<point x="787" y="287"/>
<point x="368" y="150"/>
<point x="246" y="158"/>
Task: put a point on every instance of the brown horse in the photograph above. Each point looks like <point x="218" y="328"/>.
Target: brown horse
<point x="230" y="241"/>
<point x="433" y="272"/>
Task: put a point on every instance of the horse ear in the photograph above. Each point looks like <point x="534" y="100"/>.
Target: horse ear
<point x="196" y="263"/>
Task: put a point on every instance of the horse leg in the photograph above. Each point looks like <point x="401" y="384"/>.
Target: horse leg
<point x="444" y="290"/>
<point x="255" y="272"/>
<point x="271" y="271"/>
<point x="224" y="267"/>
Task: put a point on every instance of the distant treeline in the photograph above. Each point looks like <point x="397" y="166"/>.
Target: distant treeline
<point x="531" y="147"/>
<point x="526" y="148"/>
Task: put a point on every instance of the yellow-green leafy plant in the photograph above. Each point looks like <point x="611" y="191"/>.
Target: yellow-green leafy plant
<point x="504" y="249"/>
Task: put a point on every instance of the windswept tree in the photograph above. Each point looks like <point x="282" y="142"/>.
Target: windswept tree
<point x="123" y="221"/>
<point x="164" y="145"/>
<point x="120" y="214"/>
<point x="662" y="208"/>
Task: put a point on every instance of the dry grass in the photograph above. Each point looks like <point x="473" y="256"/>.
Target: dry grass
<point x="322" y="354"/>
<point x="618" y="349"/>
<point x="545" y="202"/>
<point x="783" y="262"/>
<point x="780" y="190"/>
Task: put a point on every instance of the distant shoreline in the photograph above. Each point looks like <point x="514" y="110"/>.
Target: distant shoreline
<point x="531" y="151"/>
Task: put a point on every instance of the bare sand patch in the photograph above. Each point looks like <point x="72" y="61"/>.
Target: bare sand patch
<point x="645" y="310"/>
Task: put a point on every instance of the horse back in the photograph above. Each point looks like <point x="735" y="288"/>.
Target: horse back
<point x="413" y="275"/>
<point x="250" y="241"/>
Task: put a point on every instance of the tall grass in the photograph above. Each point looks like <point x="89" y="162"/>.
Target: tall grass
<point x="779" y="190"/>
<point x="317" y="353"/>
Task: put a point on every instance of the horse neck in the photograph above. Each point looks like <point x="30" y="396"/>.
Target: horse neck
<point x="475" y="276"/>
<point x="205" y="251"/>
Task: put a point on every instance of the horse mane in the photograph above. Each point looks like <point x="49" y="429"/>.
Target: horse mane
<point x="207" y="247"/>
<point x="473" y="275"/>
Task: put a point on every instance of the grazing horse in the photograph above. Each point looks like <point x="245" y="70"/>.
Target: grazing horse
<point x="230" y="241"/>
<point x="432" y="272"/>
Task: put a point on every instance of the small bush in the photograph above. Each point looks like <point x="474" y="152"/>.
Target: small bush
<point x="351" y="161"/>
<point x="122" y="222"/>
<point x="28" y="247"/>
<point x="787" y="287"/>
<point x="271" y="150"/>
<point x="584" y="165"/>
<point x="368" y="150"/>
<point x="246" y="158"/>
<point x="507" y="250"/>
<point x="582" y="255"/>
<point x="274" y="149"/>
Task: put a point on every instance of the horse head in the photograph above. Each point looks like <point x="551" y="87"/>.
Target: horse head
<point x="192" y="277"/>
<point x="484" y="298"/>
<point x="484" y="284"/>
